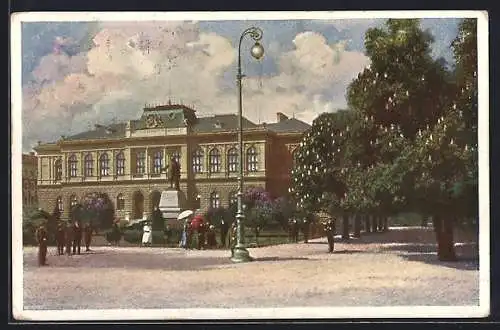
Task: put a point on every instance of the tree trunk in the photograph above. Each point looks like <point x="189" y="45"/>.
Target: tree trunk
<point x="443" y="227"/>
<point x="374" y="223"/>
<point x="345" y="227"/>
<point x="357" y="225"/>
<point x="367" y="223"/>
<point x="386" y="224"/>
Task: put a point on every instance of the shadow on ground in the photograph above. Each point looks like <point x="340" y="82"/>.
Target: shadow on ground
<point x="280" y="259"/>
<point x="462" y="263"/>
<point x="129" y="261"/>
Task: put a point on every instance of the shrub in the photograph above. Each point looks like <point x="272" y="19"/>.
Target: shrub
<point x="113" y="236"/>
<point x="133" y="236"/>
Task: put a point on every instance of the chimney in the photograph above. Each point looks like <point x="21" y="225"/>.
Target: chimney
<point x="281" y="117"/>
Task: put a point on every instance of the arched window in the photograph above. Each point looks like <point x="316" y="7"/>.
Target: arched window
<point x="88" y="166"/>
<point x="232" y="160"/>
<point x="214" y="160"/>
<point x="120" y="164"/>
<point x="158" y="162"/>
<point x="73" y="200"/>
<point x="252" y="160"/>
<point x="120" y="202"/>
<point x="58" y="169"/>
<point x="104" y="164"/>
<point x="72" y="166"/>
<point x="140" y="162"/>
<point x="60" y="204"/>
<point x="233" y="198"/>
<point x="214" y="200"/>
<point x="198" y="161"/>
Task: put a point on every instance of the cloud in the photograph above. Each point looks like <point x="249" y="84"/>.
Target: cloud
<point x="131" y="64"/>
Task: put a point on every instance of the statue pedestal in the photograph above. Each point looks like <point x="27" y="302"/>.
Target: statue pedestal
<point x="172" y="202"/>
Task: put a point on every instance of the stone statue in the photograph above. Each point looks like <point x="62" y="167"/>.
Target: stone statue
<point x="175" y="173"/>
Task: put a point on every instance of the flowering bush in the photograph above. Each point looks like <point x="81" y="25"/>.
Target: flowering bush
<point x="98" y="208"/>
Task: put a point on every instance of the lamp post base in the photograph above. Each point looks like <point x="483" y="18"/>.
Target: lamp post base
<point x="240" y="254"/>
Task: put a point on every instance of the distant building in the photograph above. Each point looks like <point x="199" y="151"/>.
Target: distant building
<point x="127" y="161"/>
<point x="30" y="166"/>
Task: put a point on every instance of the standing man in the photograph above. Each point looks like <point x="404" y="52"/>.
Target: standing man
<point x="41" y="237"/>
<point x="305" y="229"/>
<point x="329" y="226"/>
<point x="234" y="234"/>
<point x="77" y="237"/>
<point x="293" y="230"/>
<point x="224" y="228"/>
<point x="60" y="239"/>
<point x="69" y="237"/>
<point x="89" y="229"/>
<point x="175" y="173"/>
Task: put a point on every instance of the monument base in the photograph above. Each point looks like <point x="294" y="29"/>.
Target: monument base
<point x="172" y="202"/>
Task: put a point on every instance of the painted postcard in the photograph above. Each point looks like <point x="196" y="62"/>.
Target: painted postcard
<point x="250" y="165"/>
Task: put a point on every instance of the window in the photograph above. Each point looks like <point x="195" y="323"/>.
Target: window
<point x="88" y="166"/>
<point x="60" y="204"/>
<point x="232" y="160"/>
<point x="140" y="162"/>
<point x="72" y="166"/>
<point x="58" y="170"/>
<point x="252" y="160"/>
<point x="120" y="202"/>
<point x="104" y="163"/>
<point x="214" y="160"/>
<point x="73" y="201"/>
<point x="158" y="162"/>
<point x="177" y="155"/>
<point x="233" y="198"/>
<point x="214" y="200"/>
<point x="120" y="164"/>
<point x="198" y="161"/>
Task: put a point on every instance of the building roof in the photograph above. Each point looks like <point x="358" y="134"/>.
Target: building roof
<point x="101" y="132"/>
<point x="220" y="123"/>
<point x="291" y="125"/>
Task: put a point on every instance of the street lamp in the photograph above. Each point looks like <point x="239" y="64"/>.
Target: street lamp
<point x="240" y="251"/>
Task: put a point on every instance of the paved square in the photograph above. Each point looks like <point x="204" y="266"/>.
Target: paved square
<point x="390" y="269"/>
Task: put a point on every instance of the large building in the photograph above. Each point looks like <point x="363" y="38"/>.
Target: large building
<point x="29" y="170"/>
<point x="128" y="161"/>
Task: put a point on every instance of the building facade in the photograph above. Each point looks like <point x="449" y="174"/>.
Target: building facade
<point x="29" y="178"/>
<point x="129" y="161"/>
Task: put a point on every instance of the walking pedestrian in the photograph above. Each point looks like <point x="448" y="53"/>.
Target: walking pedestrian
<point x="77" y="237"/>
<point x="60" y="239"/>
<point x="41" y="237"/>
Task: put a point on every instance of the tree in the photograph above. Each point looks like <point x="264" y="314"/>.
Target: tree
<point x="98" y="208"/>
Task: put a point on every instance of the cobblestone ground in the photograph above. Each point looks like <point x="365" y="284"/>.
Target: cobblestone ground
<point x="390" y="269"/>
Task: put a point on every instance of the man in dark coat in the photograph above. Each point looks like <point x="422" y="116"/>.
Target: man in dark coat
<point x="68" y="237"/>
<point x="88" y="231"/>
<point x="175" y="173"/>
<point x="329" y="226"/>
<point x="305" y="229"/>
<point x="60" y="239"/>
<point x="77" y="237"/>
<point x="224" y="228"/>
<point x="201" y="236"/>
<point x="41" y="237"/>
<point x="293" y="230"/>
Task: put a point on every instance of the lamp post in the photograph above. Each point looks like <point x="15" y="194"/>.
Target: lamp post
<point x="240" y="253"/>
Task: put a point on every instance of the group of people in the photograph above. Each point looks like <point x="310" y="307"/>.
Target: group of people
<point x="295" y="226"/>
<point x="204" y="233"/>
<point x="67" y="237"/>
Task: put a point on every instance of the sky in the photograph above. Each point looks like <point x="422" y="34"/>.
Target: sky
<point x="77" y="74"/>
